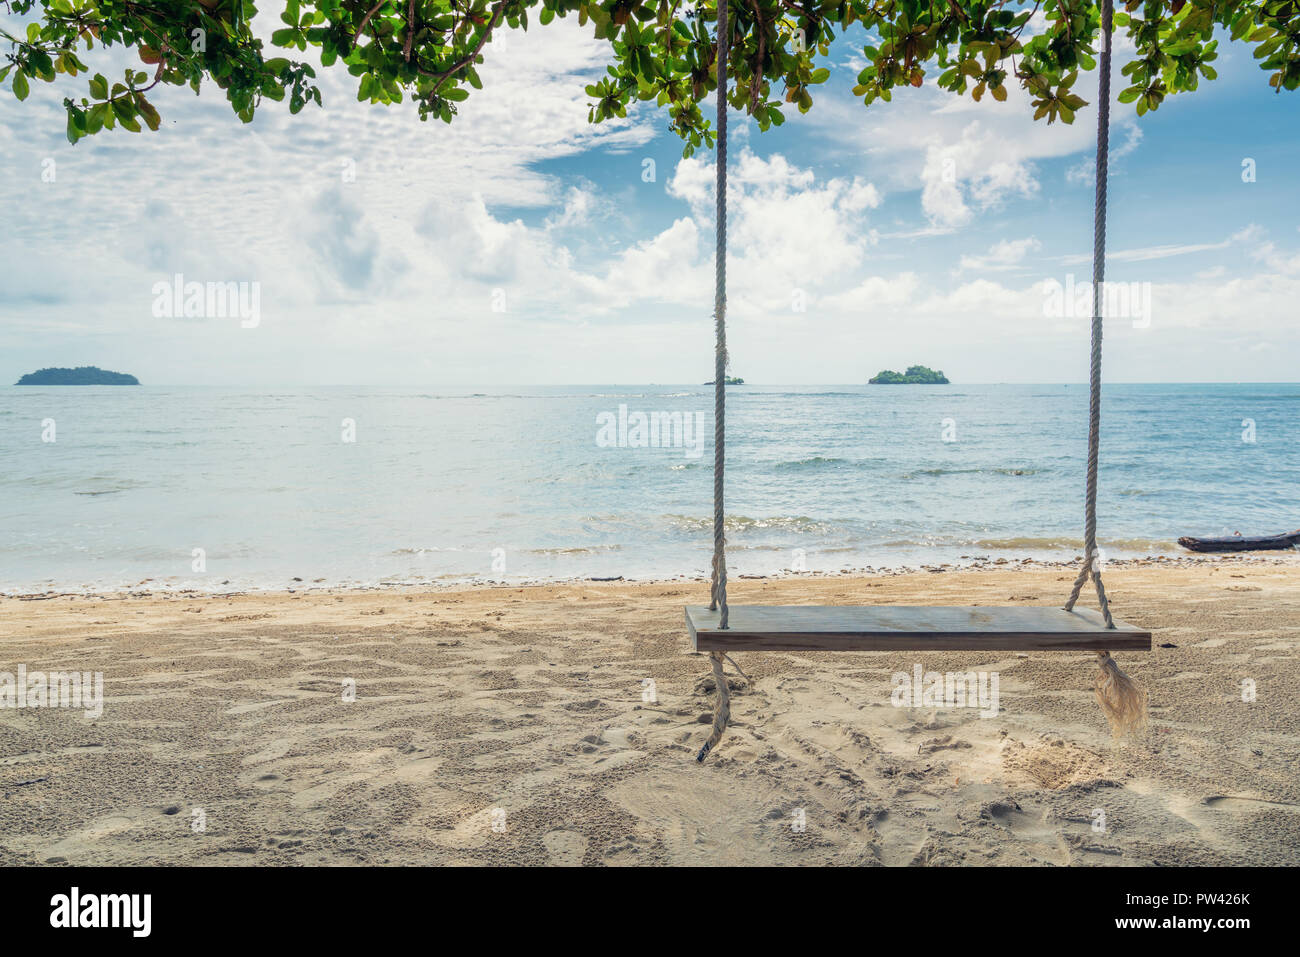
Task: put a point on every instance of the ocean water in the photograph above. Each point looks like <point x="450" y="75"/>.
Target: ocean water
<point x="551" y="482"/>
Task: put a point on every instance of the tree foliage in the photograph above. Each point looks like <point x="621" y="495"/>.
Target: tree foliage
<point x="662" y="51"/>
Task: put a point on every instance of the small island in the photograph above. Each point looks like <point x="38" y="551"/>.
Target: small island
<point x="915" y="375"/>
<point x="729" y="380"/>
<point x="82" y="375"/>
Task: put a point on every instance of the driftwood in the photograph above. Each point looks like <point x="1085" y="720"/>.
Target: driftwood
<point x="1242" y="543"/>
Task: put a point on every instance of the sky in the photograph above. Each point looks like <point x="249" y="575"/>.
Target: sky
<point x="523" y="245"/>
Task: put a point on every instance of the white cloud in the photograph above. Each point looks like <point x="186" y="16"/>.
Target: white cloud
<point x="1085" y="171"/>
<point x="1006" y="254"/>
<point x="788" y="231"/>
<point x="964" y="157"/>
<point x="973" y="170"/>
<point x="394" y="276"/>
<point x="1147" y="253"/>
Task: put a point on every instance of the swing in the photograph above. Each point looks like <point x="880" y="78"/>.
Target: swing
<point x="721" y="628"/>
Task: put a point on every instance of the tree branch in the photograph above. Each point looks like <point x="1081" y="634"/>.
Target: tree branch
<point x="469" y="58"/>
<point x="756" y="81"/>
<point x="410" y="31"/>
<point x="366" y="19"/>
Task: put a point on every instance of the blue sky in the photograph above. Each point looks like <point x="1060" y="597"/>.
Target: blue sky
<point x="522" y="245"/>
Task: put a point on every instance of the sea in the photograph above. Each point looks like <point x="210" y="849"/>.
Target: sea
<point x="222" y="489"/>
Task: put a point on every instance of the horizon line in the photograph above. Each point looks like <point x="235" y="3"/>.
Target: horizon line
<point x="553" y="385"/>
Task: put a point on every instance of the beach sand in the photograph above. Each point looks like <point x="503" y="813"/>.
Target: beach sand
<point x="507" y="725"/>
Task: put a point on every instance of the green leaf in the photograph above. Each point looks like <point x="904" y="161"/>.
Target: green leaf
<point x="99" y="87"/>
<point x="41" y="65"/>
<point x="151" y="117"/>
<point x="21" y="89"/>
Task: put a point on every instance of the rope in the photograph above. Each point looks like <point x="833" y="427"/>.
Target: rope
<point x="1091" y="562"/>
<point x="1122" y="700"/>
<point x="736" y="666"/>
<point x="723" y="712"/>
<point x="718" y="597"/>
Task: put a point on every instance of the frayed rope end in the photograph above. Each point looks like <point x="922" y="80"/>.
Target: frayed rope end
<point x="1122" y="700"/>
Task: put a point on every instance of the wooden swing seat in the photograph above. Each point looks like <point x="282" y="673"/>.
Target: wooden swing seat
<point x="909" y="628"/>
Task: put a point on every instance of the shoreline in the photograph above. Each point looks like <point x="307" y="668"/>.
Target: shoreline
<point x="1280" y="557"/>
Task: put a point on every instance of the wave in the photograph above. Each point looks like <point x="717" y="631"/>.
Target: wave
<point x="817" y="461"/>
<point x="112" y="488"/>
<point x="744" y="523"/>
<point x="1037" y="543"/>
<point x="576" y="550"/>
<point x="936" y="472"/>
<point x="454" y="396"/>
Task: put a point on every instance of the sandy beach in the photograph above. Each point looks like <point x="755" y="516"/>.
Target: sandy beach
<point x="514" y="725"/>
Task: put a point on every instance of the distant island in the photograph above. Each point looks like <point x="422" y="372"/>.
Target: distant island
<point x="82" y="375"/>
<point x="915" y="375"/>
<point x="729" y="380"/>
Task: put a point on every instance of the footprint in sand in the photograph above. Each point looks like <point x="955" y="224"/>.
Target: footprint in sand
<point x="75" y="846"/>
<point x="565" y="847"/>
<point x="106" y="826"/>
<point x="1055" y="765"/>
<point x="942" y="744"/>
<point x="1230" y="802"/>
<point x="608" y="749"/>
<point x="630" y="851"/>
